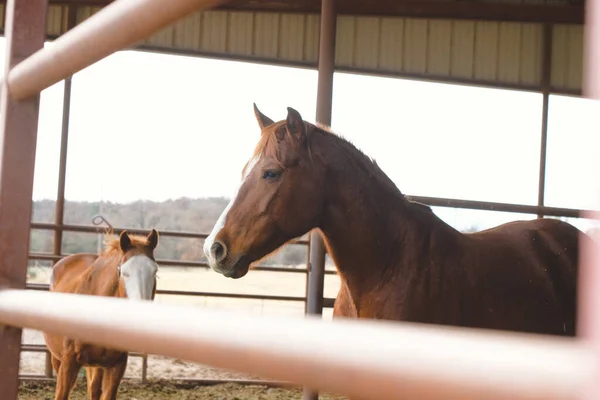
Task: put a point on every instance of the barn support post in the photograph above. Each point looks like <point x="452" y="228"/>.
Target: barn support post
<point x="588" y="328"/>
<point x="316" y="274"/>
<point x="145" y="368"/>
<point x="59" y="210"/>
<point x="25" y="32"/>
<point x="546" y="85"/>
<point x="307" y="275"/>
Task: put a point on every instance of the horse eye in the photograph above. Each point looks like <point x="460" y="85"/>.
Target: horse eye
<point x="271" y="174"/>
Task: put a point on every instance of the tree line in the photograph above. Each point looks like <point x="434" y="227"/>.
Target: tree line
<point x="184" y="214"/>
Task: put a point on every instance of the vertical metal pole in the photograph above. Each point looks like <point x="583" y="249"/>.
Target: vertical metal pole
<point x="316" y="274"/>
<point x="62" y="169"/>
<point x="546" y="83"/>
<point x="25" y="31"/>
<point x="307" y="274"/>
<point x="145" y="368"/>
<point x="589" y="276"/>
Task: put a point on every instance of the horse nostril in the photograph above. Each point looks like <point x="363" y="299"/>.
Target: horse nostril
<point x="219" y="251"/>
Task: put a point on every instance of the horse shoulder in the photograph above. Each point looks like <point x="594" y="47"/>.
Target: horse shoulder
<point x="68" y="270"/>
<point x="344" y="304"/>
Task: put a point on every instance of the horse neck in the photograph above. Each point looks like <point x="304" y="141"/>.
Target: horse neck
<point x="104" y="277"/>
<point x="372" y="231"/>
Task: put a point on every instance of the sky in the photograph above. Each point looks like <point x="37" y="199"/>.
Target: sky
<point x="156" y="127"/>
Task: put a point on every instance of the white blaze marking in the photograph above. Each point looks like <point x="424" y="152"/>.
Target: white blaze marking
<point x="138" y="273"/>
<point x="208" y="242"/>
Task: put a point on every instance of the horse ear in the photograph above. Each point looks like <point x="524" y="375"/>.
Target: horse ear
<point x="124" y="241"/>
<point x="263" y="120"/>
<point x="152" y="239"/>
<point x="294" y="123"/>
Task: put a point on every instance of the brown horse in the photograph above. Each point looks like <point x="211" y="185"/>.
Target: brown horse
<point x="126" y="269"/>
<point x="396" y="259"/>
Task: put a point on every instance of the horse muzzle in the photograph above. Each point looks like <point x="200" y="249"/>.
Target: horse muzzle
<point x="232" y="266"/>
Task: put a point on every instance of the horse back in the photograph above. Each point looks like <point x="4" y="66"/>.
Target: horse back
<point x="538" y="260"/>
<point x="70" y="270"/>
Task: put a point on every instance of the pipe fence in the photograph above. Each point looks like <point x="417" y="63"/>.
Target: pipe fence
<point x="326" y="301"/>
<point x="366" y="359"/>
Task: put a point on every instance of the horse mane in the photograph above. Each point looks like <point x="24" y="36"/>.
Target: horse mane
<point x="268" y="146"/>
<point x="363" y="161"/>
<point x="112" y="246"/>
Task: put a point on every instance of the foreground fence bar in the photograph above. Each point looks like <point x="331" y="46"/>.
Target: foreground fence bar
<point x="25" y="24"/>
<point x="589" y="283"/>
<point x="120" y="24"/>
<point x="366" y="359"/>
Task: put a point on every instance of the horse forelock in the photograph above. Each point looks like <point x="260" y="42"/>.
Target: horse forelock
<point x="113" y="248"/>
<point x="267" y="146"/>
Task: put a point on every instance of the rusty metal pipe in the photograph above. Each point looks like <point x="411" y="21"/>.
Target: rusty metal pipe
<point x="363" y="359"/>
<point x="118" y="25"/>
<point x="589" y="275"/>
<point x="326" y="68"/>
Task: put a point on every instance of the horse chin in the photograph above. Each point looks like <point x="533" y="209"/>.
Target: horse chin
<point x="239" y="269"/>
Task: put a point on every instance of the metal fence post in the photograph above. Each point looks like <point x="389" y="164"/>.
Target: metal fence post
<point x="588" y="322"/>
<point x="546" y="86"/>
<point x="25" y="32"/>
<point x="316" y="273"/>
<point x="62" y="169"/>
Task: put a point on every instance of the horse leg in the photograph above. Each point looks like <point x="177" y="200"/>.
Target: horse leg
<point x="66" y="376"/>
<point x="55" y="364"/>
<point x="112" y="378"/>
<point x="94" y="382"/>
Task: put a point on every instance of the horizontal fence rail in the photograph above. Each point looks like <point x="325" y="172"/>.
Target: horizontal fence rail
<point x="120" y="24"/>
<point x="366" y="359"/>
<point x="100" y="229"/>
<point x="327" y="302"/>
<point x="187" y="264"/>
<point x="505" y="207"/>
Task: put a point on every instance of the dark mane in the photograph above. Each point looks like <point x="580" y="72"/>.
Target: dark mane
<point x="268" y="145"/>
<point x="366" y="163"/>
<point x="360" y="159"/>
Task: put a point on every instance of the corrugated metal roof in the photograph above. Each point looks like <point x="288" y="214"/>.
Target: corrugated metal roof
<point x="506" y="54"/>
<point x="567" y="57"/>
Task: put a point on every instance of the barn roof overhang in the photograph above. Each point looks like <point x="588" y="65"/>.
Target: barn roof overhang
<point x="532" y="45"/>
<point x="567" y="11"/>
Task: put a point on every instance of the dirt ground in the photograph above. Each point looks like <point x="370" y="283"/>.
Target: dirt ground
<point x="191" y="279"/>
<point x="165" y="390"/>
